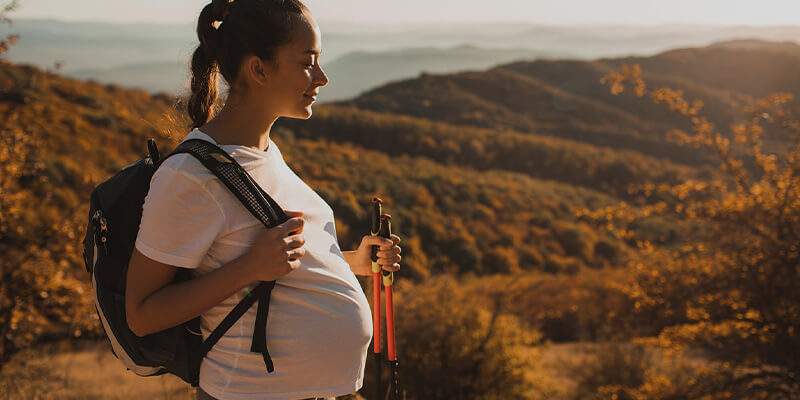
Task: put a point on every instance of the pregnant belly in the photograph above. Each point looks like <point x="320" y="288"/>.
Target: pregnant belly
<point x="305" y="332"/>
<point x="316" y="339"/>
<point x="326" y="329"/>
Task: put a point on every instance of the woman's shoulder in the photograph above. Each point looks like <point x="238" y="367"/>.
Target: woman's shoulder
<point x="184" y="164"/>
<point x="180" y="185"/>
<point x="181" y="175"/>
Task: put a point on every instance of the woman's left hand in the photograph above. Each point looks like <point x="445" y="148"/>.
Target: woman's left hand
<point x="388" y="254"/>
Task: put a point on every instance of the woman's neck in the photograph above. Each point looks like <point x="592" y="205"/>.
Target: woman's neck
<point x="241" y="123"/>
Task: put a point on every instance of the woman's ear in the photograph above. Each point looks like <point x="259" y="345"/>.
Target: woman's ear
<point x="257" y="70"/>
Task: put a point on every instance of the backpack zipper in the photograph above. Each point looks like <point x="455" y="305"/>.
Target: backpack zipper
<point x="101" y="222"/>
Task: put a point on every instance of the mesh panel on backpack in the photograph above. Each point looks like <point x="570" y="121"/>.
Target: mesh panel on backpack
<point x="237" y="180"/>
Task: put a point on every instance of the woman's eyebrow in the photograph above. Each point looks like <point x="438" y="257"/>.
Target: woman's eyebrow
<point x="314" y="52"/>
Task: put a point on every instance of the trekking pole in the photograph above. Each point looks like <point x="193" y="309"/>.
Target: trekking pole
<point x="376" y="298"/>
<point x="388" y="283"/>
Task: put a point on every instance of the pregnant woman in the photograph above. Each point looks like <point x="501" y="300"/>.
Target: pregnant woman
<point x="319" y="326"/>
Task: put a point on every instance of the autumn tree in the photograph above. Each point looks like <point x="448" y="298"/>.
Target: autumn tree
<point x="732" y="288"/>
<point x="11" y="38"/>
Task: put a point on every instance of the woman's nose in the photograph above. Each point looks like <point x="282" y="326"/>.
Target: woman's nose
<point x="321" y="78"/>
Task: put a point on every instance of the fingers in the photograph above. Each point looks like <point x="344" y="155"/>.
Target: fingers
<point x="389" y="252"/>
<point x="294" y="241"/>
<point x="295" y="251"/>
<point x="391" y="268"/>
<point x="384" y="243"/>
<point x="294" y="264"/>
<point x="394" y="251"/>
<point x="389" y="243"/>
<point x="389" y="260"/>
<point x="293" y="225"/>
<point x="294" y="255"/>
<point x="376" y="241"/>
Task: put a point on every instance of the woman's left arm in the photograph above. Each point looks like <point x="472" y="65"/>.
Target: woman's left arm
<point x="360" y="260"/>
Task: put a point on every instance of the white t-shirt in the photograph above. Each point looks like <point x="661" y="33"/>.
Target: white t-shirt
<point x="319" y="325"/>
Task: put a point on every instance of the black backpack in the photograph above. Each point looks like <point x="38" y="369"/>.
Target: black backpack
<point x="114" y="217"/>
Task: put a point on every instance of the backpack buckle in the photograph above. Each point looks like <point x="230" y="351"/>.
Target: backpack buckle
<point x="100" y="230"/>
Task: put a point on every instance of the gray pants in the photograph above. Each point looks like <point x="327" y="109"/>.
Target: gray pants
<point x="202" y="395"/>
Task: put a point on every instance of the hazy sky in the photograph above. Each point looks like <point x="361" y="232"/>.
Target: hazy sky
<point x="749" y="12"/>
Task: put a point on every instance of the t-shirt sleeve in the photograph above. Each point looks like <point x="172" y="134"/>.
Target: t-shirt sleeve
<point x="180" y="220"/>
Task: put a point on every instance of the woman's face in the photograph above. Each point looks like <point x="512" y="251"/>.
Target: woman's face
<point x="294" y="79"/>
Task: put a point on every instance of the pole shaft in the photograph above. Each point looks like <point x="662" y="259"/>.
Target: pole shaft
<point x="390" y="344"/>
<point x="378" y="377"/>
<point x="376" y="313"/>
<point x="395" y="381"/>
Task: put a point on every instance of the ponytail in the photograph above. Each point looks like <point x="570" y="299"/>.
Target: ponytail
<point x="205" y="65"/>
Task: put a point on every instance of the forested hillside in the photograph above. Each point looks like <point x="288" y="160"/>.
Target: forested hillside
<point x="565" y="98"/>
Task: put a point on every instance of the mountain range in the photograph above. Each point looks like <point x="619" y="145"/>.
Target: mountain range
<point x="357" y="57"/>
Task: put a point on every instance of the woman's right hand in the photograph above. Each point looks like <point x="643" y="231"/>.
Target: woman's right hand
<point x="277" y="251"/>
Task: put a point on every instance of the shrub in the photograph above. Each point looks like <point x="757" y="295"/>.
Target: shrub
<point x="453" y="347"/>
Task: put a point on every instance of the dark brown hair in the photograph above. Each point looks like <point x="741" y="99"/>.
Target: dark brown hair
<point x="246" y="27"/>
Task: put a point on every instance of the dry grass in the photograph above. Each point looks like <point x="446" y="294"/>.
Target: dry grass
<point x="85" y="370"/>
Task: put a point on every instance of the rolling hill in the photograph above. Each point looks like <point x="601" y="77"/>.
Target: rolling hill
<point x="565" y="99"/>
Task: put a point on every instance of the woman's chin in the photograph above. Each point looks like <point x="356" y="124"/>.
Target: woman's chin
<point x="303" y="113"/>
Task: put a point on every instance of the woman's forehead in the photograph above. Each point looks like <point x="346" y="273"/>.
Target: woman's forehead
<point x="307" y="38"/>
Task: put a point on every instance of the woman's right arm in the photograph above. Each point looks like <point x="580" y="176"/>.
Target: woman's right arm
<point x="153" y="304"/>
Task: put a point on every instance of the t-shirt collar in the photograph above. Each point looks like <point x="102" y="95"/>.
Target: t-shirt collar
<point x="235" y="150"/>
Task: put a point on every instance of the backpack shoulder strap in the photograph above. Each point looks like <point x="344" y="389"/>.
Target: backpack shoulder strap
<point x="265" y="209"/>
<point x="238" y="181"/>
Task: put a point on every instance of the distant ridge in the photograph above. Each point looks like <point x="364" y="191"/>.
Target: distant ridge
<point x="99" y="46"/>
<point x="758" y="44"/>
<point x="357" y="71"/>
